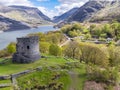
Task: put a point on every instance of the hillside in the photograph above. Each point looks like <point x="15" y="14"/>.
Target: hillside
<point x="94" y="11"/>
<point x="7" y="24"/>
<point x="30" y="16"/>
<point x="62" y="17"/>
<point x="86" y="11"/>
<point x="32" y="12"/>
<point x="44" y="72"/>
<point x="109" y="13"/>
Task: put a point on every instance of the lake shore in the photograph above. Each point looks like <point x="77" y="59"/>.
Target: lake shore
<point x="10" y="36"/>
<point x="29" y="28"/>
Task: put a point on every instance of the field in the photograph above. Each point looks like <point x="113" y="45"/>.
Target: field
<point x="64" y="73"/>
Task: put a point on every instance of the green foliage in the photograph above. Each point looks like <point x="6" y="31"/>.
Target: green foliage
<point x="44" y="47"/>
<point x="8" y="51"/>
<point x="110" y="30"/>
<point x="11" y="48"/>
<point x="87" y="36"/>
<point x="88" y="53"/>
<point x="114" y="55"/>
<point x="55" y="50"/>
<point x="91" y="53"/>
<point x="103" y="35"/>
<point x="4" y="53"/>
<point x="72" y="50"/>
<point x="42" y="36"/>
<point x="45" y="79"/>
<point x="74" y="30"/>
<point x="109" y="75"/>
<point x="73" y="33"/>
<point x="55" y="37"/>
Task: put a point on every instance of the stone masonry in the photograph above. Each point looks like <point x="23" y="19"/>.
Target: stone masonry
<point x="27" y="50"/>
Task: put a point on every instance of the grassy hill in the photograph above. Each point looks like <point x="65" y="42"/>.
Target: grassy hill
<point x="57" y="72"/>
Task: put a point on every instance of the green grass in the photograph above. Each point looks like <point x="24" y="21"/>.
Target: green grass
<point x="66" y="80"/>
<point x="10" y="68"/>
<point x="7" y="88"/>
<point x="4" y="81"/>
<point x="51" y="67"/>
<point x="44" y="78"/>
<point x="78" y="77"/>
<point x="1" y="59"/>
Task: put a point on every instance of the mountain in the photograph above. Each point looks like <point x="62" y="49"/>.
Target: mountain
<point x="109" y="13"/>
<point x="94" y="11"/>
<point x="7" y="24"/>
<point x="34" y="12"/>
<point x="62" y="17"/>
<point x="86" y="11"/>
<point x="29" y="16"/>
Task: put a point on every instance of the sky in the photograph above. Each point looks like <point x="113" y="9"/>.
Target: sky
<point x="50" y="8"/>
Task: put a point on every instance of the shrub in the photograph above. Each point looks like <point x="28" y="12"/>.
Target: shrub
<point x="91" y="53"/>
<point x="55" y="50"/>
<point x="108" y="75"/>
<point x="44" y="47"/>
<point x="11" y="48"/>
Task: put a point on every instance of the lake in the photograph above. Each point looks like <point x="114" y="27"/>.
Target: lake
<point x="7" y="37"/>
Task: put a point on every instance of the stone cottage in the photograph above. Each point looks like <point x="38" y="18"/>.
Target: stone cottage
<point x="27" y="50"/>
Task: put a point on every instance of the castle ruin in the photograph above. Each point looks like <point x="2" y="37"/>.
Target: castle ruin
<point x="27" y="50"/>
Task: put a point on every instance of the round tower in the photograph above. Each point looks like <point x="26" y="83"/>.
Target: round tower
<point x="27" y="50"/>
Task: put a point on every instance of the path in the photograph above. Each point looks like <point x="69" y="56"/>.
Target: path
<point x="74" y="80"/>
<point x="66" y="42"/>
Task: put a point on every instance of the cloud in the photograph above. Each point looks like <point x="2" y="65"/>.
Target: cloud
<point x="43" y="0"/>
<point x="49" y="13"/>
<point x="71" y="1"/>
<point x="66" y="5"/>
<point x="16" y="2"/>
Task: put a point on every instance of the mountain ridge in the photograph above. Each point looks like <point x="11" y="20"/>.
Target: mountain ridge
<point x="7" y="24"/>
<point x="27" y="16"/>
<point x="95" y="11"/>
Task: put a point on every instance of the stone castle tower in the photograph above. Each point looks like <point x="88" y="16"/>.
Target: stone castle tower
<point x="27" y="50"/>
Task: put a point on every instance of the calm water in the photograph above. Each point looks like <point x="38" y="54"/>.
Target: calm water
<point x="7" y="37"/>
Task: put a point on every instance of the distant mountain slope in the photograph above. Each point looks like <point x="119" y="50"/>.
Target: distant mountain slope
<point x="94" y="11"/>
<point x="30" y="16"/>
<point x="7" y="24"/>
<point x="35" y="12"/>
<point x="64" y="16"/>
<point x="21" y="17"/>
<point x="109" y="13"/>
<point x="86" y="11"/>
